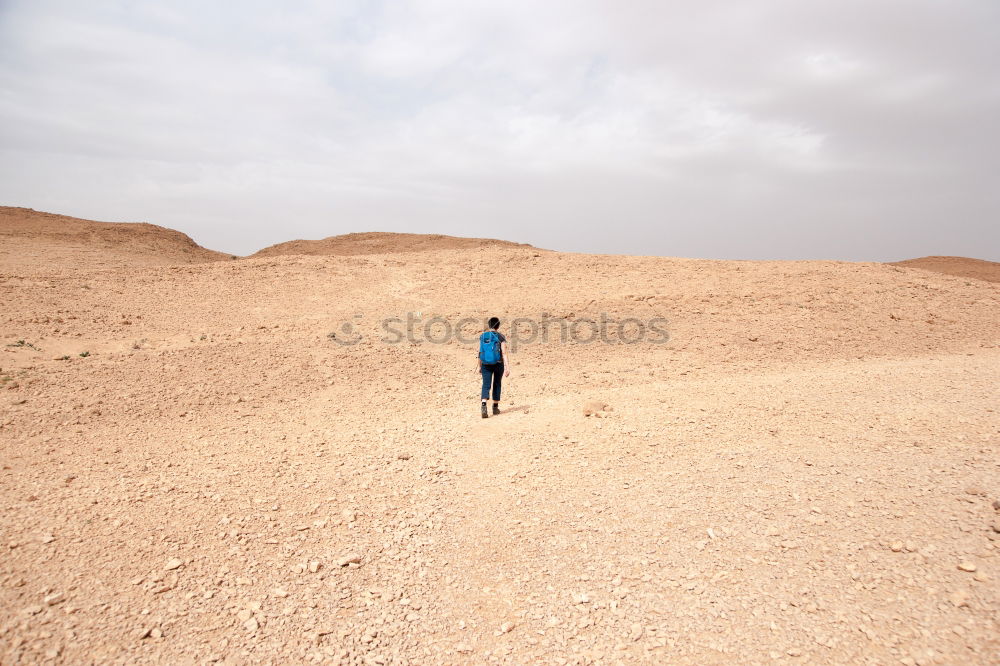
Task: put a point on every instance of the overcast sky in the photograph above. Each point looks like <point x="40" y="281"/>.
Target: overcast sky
<point x="759" y="129"/>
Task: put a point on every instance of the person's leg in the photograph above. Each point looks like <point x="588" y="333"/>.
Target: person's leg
<point x="487" y="382"/>
<point x="497" y="379"/>
<point x="487" y="373"/>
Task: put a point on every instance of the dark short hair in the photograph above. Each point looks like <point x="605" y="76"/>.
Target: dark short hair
<point x="494" y="323"/>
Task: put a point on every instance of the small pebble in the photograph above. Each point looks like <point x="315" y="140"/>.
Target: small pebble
<point x="959" y="598"/>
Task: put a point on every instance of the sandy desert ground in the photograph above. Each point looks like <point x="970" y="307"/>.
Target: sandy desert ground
<point x="208" y="459"/>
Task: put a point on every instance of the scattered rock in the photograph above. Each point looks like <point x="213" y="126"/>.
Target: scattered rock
<point x="347" y="560"/>
<point x="251" y="625"/>
<point x="592" y="407"/>
<point x="151" y="631"/>
<point x="896" y="546"/>
<point x="54" y="598"/>
<point x="967" y="565"/>
<point x="959" y="598"/>
<point x="173" y="563"/>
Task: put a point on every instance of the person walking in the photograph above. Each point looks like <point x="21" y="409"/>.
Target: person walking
<point x="492" y="364"/>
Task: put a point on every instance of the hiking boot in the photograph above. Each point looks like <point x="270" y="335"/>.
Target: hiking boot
<point x="496" y="410"/>
<point x="486" y="414"/>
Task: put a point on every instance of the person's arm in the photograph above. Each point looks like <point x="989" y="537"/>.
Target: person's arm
<point x="506" y="364"/>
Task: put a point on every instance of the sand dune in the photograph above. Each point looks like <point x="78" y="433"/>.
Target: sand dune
<point x="31" y="239"/>
<point x="965" y="267"/>
<point x="239" y="461"/>
<point x="380" y="243"/>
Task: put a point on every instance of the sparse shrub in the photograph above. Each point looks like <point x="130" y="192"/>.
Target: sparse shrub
<point x="84" y="354"/>
<point x="23" y="343"/>
<point x="63" y="358"/>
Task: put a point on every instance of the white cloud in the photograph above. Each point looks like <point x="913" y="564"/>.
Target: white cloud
<point x="776" y="119"/>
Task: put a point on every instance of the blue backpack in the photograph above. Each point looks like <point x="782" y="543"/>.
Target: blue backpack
<point x="489" y="348"/>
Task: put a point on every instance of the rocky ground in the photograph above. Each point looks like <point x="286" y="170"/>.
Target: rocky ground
<point x="226" y="462"/>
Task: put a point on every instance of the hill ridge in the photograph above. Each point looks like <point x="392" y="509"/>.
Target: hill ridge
<point x="381" y="242"/>
<point x="29" y="235"/>
<point x="966" y="267"/>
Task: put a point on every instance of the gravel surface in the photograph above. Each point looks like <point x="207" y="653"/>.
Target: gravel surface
<point x="211" y="460"/>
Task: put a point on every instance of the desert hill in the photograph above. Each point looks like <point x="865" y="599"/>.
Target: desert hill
<point x="381" y="243"/>
<point x="33" y="239"/>
<point x="978" y="269"/>
<point x="281" y="460"/>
